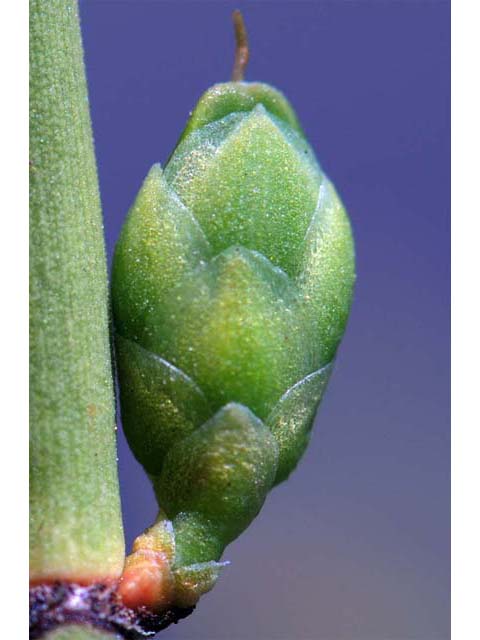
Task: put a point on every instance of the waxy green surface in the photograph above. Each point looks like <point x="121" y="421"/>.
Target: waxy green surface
<point x="75" y="521"/>
<point x="232" y="284"/>
<point x="79" y="632"/>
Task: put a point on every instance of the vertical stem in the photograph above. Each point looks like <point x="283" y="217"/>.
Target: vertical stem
<point x="75" y="523"/>
<point x="76" y="632"/>
<point x="242" y="52"/>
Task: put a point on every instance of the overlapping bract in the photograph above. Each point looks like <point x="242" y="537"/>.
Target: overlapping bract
<point x="232" y="284"/>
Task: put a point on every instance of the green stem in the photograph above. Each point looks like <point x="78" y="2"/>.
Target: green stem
<point x="75" y="523"/>
<point x="75" y="632"/>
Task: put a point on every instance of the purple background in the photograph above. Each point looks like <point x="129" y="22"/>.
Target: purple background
<point x="356" y="545"/>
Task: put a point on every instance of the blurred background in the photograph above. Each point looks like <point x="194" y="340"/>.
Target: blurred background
<point x="356" y="545"/>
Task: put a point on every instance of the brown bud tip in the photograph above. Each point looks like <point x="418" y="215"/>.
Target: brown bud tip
<point x="242" y="52"/>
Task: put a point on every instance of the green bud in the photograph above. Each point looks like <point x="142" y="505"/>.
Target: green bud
<point x="232" y="284"/>
<point x="223" y="471"/>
